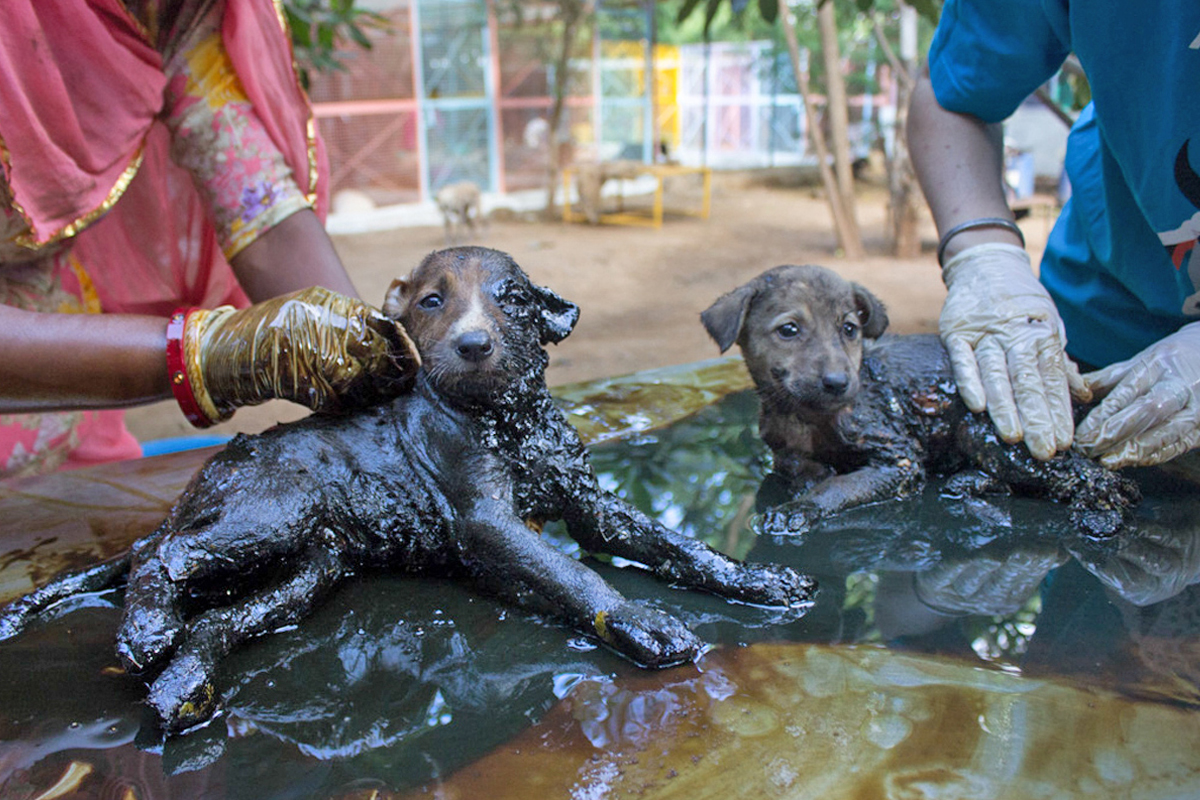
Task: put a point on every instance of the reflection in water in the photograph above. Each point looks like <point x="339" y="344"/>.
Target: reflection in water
<point x="841" y="722"/>
<point x="957" y="649"/>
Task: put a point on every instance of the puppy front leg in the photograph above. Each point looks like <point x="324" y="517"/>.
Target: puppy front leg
<point x="511" y="562"/>
<point x="613" y="526"/>
<point x="18" y="614"/>
<point x="841" y="492"/>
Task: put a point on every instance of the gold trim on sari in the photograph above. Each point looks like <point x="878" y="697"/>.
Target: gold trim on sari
<point x="32" y="241"/>
<point x="310" y="131"/>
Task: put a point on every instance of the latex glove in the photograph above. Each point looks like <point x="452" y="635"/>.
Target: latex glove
<point x="1006" y="343"/>
<point x="315" y="347"/>
<point x="1151" y="565"/>
<point x="1151" y="407"/>
<point x="986" y="584"/>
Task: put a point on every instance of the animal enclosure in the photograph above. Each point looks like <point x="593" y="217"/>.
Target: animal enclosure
<point x="461" y="90"/>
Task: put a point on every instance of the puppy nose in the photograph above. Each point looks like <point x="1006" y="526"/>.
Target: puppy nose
<point x="835" y="382"/>
<point x="474" y="346"/>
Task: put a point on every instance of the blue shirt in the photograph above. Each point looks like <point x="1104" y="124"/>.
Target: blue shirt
<point x="1121" y="262"/>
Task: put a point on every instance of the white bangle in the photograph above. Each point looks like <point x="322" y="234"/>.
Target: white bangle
<point x="970" y="225"/>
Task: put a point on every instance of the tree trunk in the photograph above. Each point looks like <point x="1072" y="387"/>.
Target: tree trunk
<point x="903" y="192"/>
<point x="836" y="107"/>
<point x="846" y="227"/>
<point x="571" y="12"/>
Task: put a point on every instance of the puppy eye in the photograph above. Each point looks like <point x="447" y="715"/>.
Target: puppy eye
<point x="788" y="330"/>
<point x="849" y="330"/>
<point x="430" y="301"/>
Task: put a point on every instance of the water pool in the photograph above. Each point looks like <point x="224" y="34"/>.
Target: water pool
<point x="956" y="649"/>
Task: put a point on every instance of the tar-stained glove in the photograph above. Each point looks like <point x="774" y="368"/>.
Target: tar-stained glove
<point x="1151" y="407"/>
<point x="315" y="347"/>
<point x="986" y="584"/>
<point x="1145" y="566"/>
<point x="1006" y="344"/>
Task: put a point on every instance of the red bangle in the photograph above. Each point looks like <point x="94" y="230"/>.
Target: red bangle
<point x="181" y="386"/>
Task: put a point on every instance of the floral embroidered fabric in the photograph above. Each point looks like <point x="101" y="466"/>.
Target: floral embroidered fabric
<point x="246" y="187"/>
<point x="218" y="138"/>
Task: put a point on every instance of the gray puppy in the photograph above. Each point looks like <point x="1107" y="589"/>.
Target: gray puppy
<point x="851" y="421"/>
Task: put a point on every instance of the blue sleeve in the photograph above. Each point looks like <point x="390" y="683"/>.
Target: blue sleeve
<point x="987" y="56"/>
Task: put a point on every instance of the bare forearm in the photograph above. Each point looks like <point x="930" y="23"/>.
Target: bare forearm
<point x="54" y="362"/>
<point x="69" y="361"/>
<point x="959" y="162"/>
<point x="295" y="254"/>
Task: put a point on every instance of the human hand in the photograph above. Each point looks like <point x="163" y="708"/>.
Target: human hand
<point x="315" y="347"/>
<point x="793" y="518"/>
<point x="1151" y="407"/>
<point x="1005" y="341"/>
<point x="1152" y="564"/>
<point x="985" y="583"/>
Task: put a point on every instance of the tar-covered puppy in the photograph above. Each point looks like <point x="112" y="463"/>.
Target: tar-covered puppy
<point x="853" y="421"/>
<point x="442" y="481"/>
<point x="460" y="204"/>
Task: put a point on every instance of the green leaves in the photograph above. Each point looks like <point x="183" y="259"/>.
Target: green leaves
<point x="321" y="29"/>
<point x="769" y="9"/>
<point x="686" y="9"/>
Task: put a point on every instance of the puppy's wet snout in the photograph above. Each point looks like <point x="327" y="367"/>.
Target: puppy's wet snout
<point x="474" y="346"/>
<point x="835" y="383"/>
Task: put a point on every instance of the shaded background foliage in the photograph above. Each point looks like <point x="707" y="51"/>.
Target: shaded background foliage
<point x="323" y="31"/>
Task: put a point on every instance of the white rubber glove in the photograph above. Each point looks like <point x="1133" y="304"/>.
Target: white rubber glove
<point x="985" y="583"/>
<point x="1006" y="342"/>
<point x="1151" y="407"/>
<point x="1153" y="563"/>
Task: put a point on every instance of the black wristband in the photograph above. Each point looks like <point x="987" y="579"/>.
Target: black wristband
<point x="970" y="225"/>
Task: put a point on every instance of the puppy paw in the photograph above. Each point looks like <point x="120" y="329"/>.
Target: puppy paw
<point x="973" y="483"/>
<point x="789" y="519"/>
<point x="647" y="636"/>
<point x="147" y="637"/>
<point x="184" y="694"/>
<point x="770" y="585"/>
<point x="1102" y="503"/>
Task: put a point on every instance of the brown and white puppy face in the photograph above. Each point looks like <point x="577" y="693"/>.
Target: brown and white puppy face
<point x="477" y="320"/>
<point x="801" y="331"/>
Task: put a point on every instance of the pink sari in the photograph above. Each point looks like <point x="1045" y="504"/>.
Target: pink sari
<point x="85" y="156"/>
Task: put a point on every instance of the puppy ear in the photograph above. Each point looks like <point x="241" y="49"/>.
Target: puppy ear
<point x="393" y="301"/>
<point x="871" y="312"/>
<point x="724" y="319"/>
<point x="558" y="315"/>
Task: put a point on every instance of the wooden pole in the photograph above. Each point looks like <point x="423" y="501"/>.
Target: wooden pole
<point x="847" y="232"/>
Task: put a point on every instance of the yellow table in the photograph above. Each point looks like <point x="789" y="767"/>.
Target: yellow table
<point x="654" y="218"/>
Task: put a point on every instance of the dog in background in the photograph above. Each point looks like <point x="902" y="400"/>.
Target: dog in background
<point x="851" y="420"/>
<point x="590" y="177"/>
<point x="443" y="480"/>
<point x="459" y="203"/>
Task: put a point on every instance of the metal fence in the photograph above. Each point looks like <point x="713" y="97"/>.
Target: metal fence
<point x="452" y="91"/>
<point x="739" y="107"/>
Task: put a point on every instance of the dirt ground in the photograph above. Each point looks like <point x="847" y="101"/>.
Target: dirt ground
<point x="642" y="289"/>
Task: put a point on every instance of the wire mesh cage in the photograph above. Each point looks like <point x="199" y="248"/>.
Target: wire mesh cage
<point x="739" y="106"/>
<point x="530" y="46"/>
<point x="366" y="114"/>
<point x="458" y="148"/>
<point x="464" y="89"/>
<point x="375" y="154"/>
<point x="383" y="71"/>
<point x="456" y="94"/>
